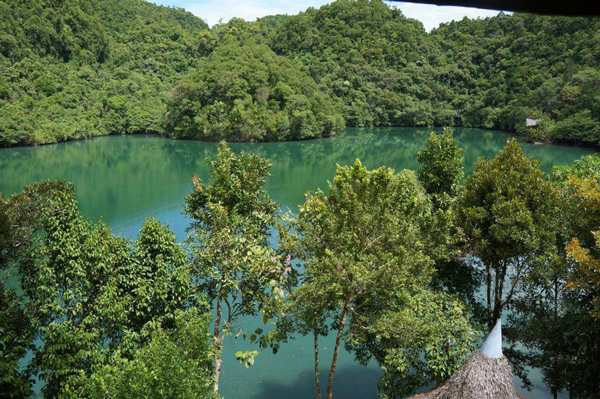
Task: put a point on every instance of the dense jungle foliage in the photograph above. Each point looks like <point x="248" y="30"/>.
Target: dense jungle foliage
<point x="386" y="262"/>
<point x="244" y="91"/>
<point x="77" y="69"/>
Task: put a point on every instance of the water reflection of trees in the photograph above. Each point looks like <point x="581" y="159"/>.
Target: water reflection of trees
<point x="113" y="176"/>
<point x="117" y="176"/>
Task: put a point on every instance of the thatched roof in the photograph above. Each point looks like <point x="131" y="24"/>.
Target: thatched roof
<point x="481" y="377"/>
<point x="485" y="375"/>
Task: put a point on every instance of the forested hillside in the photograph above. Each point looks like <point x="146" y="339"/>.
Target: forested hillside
<point x="505" y="69"/>
<point x="82" y="68"/>
<point x="490" y="73"/>
<point x="76" y="69"/>
<point x="244" y="91"/>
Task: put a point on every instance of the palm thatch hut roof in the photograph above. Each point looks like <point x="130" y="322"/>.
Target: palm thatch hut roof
<point x="485" y="375"/>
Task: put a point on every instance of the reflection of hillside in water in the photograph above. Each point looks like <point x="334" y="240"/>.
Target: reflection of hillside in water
<point x="307" y="165"/>
<point x="114" y="176"/>
<point x="486" y="143"/>
<point x="124" y="176"/>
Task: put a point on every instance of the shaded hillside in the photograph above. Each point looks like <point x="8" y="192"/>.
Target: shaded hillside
<point x="247" y="92"/>
<point x="77" y="69"/>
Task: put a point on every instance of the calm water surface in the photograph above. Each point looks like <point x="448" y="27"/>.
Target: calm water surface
<point x="124" y="179"/>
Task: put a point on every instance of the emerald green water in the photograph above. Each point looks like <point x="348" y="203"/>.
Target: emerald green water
<point x="124" y="179"/>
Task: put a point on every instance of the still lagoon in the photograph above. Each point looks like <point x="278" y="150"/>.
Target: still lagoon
<point x="124" y="179"/>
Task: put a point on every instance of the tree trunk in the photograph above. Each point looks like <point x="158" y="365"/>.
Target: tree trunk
<point x="217" y="372"/>
<point x="489" y="295"/>
<point x="498" y="307"/>
<point x="501" y="269"/>
<point x="217" y="345"/>
<point x="317" y="382"/>
<point x="554" y="338"/>
<point x="336" y="351"/>
<point x="496" y="294"/>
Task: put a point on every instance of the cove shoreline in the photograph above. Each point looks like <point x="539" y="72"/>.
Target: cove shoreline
<point x="527" y="139"/>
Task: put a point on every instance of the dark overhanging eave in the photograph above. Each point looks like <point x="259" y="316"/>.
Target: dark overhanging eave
<point x="568" y="8"/>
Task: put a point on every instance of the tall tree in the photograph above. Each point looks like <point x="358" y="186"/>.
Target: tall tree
<point x="583" y="281"/>
<point x="585" y="250"/>
<point x="546" y="317"/>
<point x="442" y="166"/>
<point x="363" y="247"/>
<point x="507" y="212"/>
<point x="85" y="287"/>
<point x="441" y="173"/>
<point x="231" y="259"/>
<point x="20" y="225"/>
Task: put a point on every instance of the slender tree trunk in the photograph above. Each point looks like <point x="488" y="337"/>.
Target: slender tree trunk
<point x="217" y="345"/>
<point x="496" y="294"/>
<point x="554" y="338"/>
<point x="489" y="294"/>
<point x="317" y="382"/>
<point x="499" y="303"/>
<point x="499" y="293"/>
<point x="336" y="351"/>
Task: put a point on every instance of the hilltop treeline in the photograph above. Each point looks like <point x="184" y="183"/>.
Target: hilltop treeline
<point x="77" y="69"/>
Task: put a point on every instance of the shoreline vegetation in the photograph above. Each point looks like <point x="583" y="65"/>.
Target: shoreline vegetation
<point x="527" y="139"/>
<point x="377" y="253"/>
<point x="390" y="264"/>
<point x="74" y="70"/>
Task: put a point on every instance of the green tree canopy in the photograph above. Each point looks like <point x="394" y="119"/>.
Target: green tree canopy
<point x="85" y="288"/>
<point x="173" y="363"/>
<point x="246" y="92"/>
<point x="366" y="253"/>
<point x="442" y="166"/>
<point x="508" y="212"/>
<point x="232" y="262"/>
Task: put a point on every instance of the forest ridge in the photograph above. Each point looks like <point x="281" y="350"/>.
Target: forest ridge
<point x="77" y="69"/>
